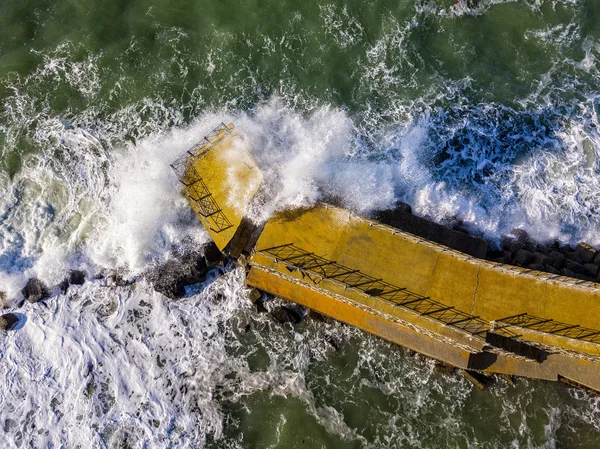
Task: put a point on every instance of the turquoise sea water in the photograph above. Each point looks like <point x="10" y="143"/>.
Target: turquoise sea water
<point x="483" y="111"/>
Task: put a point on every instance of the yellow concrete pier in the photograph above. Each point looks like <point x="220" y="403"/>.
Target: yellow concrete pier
<point x="467" y="312"/>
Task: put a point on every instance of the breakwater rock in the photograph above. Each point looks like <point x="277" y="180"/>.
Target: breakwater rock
<point x="189" y="267"/>
<point x="517" y="248"/>
<point x="8" y="321"/>
<point x="35" y="290"/>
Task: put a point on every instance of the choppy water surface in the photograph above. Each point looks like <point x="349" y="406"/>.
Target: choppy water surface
<point x="483" y="110"/>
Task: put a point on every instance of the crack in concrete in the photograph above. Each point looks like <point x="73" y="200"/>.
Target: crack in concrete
<point x="475" y="291"/>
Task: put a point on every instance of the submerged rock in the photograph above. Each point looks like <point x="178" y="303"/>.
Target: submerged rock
<point x="213" y="255"/>
<point x="334" y="341"/>
<point x="117" y="280"/>
<point x="8" y="321"/>
<point x="35" y="290"/>
<point x="258" y="298"/>
<point x="64" y="286"/>
<point x="443" y="368"/>
<point x="10" y="425"/>
<point x="283" y="315"/>
<point x="254" y="295"/>
<point x="171" y="278"/>
<point x="289" y="314"/>
<point x="76" y="277"/>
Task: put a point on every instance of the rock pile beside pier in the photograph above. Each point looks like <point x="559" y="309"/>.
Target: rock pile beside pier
<point x="517" y="248"/>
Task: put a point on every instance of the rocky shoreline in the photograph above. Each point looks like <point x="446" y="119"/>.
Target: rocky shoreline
<point x="189" y="266"/>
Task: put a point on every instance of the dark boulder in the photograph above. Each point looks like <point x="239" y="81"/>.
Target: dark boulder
<point x="515" y="247"/>
<point x="536" y="267"/>
<point x="520" y="235"/>
<point x="8" y="321"/>
<point x="493" y="254"/>
<point x="396" y="212"/>
<point x="35" y="290"/>
<point x="187" y="267"/>
<point x="558" y="259"/>
<point x="551" y="269"/>
<point x="334" y="341"/>
<point x="523" y="258"/>
<point x="467" y="244"/>
<point x="508" y="242"/>
<point x="573" y="266"/>
<point x="260" y="307"/>
<point x="320" y="317"/>
<point x="283" y="315"/>
<point x="289" y="314"/>
<point x="443" y="368"/>
<point x="116" y="279"/>
<point x="585" y="277"/>
<point x="497" y="255"/>
<point x="254" y="294"/>
<point x="591" y="270"/>
<point x="64" y="286"/>
<point x="300" y="312"/>
<point x="567" y="272"/>
<point x="543" y="249"/>
<point x="541" y="259"/>
<point x="574" y="256"/>
<point x="586" y="252"/>
<point x="76" y="277"/>
<point x="212" y="254"/>
<point x="171" y="278"/>
<point x="404" y="207"/>
<point x="258" y="298"/>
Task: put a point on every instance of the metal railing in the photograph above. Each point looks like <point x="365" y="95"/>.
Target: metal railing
<point x="195" y="189"/>
<point x="549" y="326"/>
<point x="317" y="268"/>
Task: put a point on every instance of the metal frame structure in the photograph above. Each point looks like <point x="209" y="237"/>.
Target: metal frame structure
<point x="195" y="189"/>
